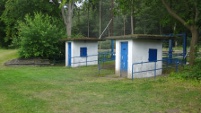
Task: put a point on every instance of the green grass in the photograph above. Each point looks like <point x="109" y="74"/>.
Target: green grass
<point x="57" y="89"/>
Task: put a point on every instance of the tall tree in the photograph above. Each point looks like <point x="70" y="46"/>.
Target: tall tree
<point x="187" y="13"/>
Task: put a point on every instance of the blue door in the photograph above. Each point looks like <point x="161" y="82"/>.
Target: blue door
<point x="124" y="56"/>
<point x="69" y="53"/>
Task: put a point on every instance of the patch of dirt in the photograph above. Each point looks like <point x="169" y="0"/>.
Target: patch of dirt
<point x="170" y="111"/>
<point x="31" y="62"/>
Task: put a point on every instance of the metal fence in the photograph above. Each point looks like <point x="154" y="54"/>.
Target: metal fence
<point x="106" y="60"/>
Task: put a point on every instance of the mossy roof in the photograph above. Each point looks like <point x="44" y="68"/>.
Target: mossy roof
<point x="140" y="36"/>
<point x="82" y="39"/>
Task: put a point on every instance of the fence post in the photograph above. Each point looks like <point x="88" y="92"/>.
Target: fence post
<point x="170" y="51"/>
<point x="112" y="49"/>
<point x="184" y="47"/>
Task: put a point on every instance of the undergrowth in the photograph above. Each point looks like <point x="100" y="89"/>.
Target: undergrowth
<point x="189" y="72"/>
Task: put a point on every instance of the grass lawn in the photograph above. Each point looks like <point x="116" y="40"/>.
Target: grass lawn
<point x="58" y="89"/>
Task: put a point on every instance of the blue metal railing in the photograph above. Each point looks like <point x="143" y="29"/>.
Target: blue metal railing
<point x="180" y="56"/>
<point x="174" y="61"/>
<point x="83" y="60"/>
<point x="101" y="57"/>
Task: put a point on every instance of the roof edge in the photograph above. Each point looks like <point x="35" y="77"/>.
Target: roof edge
<point x="140" y="36"/>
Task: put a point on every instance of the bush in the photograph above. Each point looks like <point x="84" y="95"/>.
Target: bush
<point x="39" y="36"/>
<point x="190" y="72"/>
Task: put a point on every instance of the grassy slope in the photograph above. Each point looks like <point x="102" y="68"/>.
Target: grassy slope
<point x="81" y="90"/>
<point x="7" y="55"/>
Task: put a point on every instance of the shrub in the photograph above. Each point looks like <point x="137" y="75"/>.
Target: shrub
<point x="38" y="36"/>
<point x="190" y="72"/>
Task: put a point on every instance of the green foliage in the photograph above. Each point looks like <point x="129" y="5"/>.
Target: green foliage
<point x="190" y="72"/>
<point x="105" y="44"/>
<point x="77" y="36"/>
<point x="39" y="36"/>
<point x="15" y="10"/>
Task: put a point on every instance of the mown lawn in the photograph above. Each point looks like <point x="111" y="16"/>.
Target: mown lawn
<point x="57" y="89"/>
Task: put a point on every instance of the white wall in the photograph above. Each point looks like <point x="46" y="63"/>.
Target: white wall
<point x="141" y="54"/>
<point x="92" y="49"/>
<point x="138" y="52"/>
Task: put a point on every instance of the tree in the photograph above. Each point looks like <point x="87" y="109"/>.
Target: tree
<point x="67" y="9"/>
<point x="67" y="13"/>
<point x="17" y="9"/>
<point x="187" y="13"/>
<point x="2" y="26"/>
<point x="39" y="36"/>
<point x="127" y="7"/>
<point x="152" y="18"/>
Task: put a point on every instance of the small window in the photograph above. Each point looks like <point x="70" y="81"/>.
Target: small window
<point x="83" y="52"/>
<point x="152" y="55"/>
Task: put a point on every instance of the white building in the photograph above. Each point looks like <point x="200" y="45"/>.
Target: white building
<point x="81" y="52"/>
<point x="138" y="48"/>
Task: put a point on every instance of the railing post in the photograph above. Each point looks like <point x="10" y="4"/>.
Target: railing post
<point x="155" y="69"/>
<point x="132" y="71"/>
<point x="177" y="62"/>
<point x="86" y="60"/>
<point x="98" y="67"/>
<point x="104" y="57"/>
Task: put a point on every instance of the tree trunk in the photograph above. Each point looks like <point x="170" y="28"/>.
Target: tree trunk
<point x="124" y="17"/>
<point x="88" y="25"/>
<point x="132" y="28"/>
<point x="194" y="41"/>
<point x="69" y="19"/>
<point x="132" y="24"/>
<point x="112" y="17"/>
<point x="100" y="21"/>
